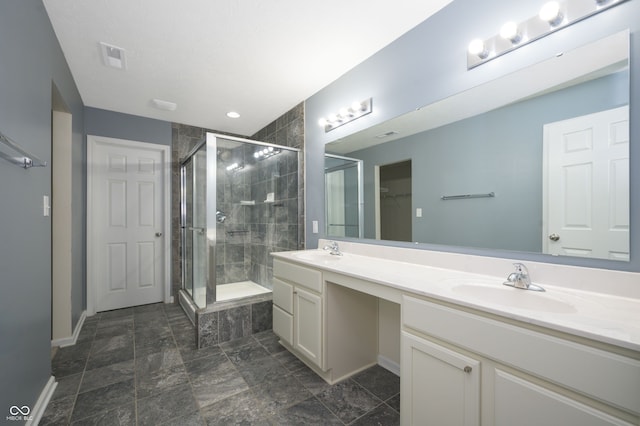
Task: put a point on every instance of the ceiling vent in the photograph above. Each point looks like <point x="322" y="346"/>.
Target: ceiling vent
<point x="113" y="56"/>
<point x="387" y="134"/>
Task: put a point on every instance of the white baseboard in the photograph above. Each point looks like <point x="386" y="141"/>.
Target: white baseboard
<point x="41" y="404"/>
<point x="388" y="364"/>
<point x="69" y="341"/>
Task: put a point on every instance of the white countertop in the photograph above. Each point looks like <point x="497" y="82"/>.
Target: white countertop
<point x="601" y="317"/>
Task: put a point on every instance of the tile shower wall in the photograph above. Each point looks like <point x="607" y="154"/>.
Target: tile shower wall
<point x="284" y="228"/>
<point x="244" y="255"/>
<point x="254" y="225"/>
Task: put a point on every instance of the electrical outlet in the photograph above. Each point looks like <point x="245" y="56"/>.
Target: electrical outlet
<point x="418" y="212"/>
<point x="46" y="206"/>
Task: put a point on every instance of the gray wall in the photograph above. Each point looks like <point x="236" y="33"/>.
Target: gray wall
<point x="457" y="159"/>
<point x="429" y="64"/>
<point x="31" y="61"/>
<point x="100" y="122"/>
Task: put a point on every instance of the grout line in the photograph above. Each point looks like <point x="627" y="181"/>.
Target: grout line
<point x="135" y="373"/>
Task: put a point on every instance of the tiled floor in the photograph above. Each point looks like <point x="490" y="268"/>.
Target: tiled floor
<point x="140" y="366"/>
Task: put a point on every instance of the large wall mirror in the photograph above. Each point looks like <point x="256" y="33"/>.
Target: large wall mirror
<point x="535" y="161"/>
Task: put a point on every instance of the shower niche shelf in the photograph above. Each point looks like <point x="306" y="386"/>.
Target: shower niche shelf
<point x="273" y="203"/>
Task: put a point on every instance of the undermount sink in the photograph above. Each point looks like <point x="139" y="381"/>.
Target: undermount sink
<point x="512" y="297"/>
<point x="316" y="256"/>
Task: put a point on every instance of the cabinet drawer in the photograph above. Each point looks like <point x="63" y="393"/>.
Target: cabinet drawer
<point x="283" y="295"/>
<point x="309" y="278"/>
<point x="520" y="402"/>
<point x="603" y="375"/>
<point x="283" y="324"/>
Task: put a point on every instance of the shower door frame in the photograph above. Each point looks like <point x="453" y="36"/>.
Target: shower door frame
<point x="358" y="164"/>
<point x="210" y="217"/>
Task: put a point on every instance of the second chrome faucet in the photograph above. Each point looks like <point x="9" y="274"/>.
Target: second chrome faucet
<point x="521" y="279"/>
<point x="334" y="248"/>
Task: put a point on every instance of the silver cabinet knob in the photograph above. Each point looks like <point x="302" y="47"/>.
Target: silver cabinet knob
<point x="158" y="234"/>
<point x="554" y="237"/>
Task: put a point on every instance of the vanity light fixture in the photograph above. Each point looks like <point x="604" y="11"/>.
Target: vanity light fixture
<point x="553" y="15"/>
<point x="478" y="48"/>
<point x="266" y="152"/>
<point x="346" y="115"/>
<point x="234" y="167"/>
<point x="511" y="32"/>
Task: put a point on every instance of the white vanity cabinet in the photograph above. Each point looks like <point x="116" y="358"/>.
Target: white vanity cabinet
<point x="460" y="368"/>
<point x="298" y="309"/>
<point x="330" y="327"/>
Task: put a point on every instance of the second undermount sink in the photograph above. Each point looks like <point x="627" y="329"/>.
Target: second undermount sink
<point x="511" y="297"/>
<point x="316" y="256"/>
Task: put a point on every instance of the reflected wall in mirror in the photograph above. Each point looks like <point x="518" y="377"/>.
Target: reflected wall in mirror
<point x="551" y="142"/>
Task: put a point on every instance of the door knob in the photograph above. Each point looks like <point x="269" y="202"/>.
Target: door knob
<point x="554" y="237"/>
<point x="158" y="234"/>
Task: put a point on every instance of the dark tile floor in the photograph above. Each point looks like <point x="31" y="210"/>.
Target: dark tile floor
<point x="139" y="366"/>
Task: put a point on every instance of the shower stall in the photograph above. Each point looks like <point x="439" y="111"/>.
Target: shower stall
<point x="239" y="202"/>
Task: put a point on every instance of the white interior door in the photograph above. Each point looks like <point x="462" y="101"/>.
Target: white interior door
<point x="127" y="223"/>
<point x="586" y="188"/>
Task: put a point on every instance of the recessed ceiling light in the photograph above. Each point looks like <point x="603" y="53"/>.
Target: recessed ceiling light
<point x="233" y="114"/>
<point x="164" y="105"/>
<point x="113" y="56"/>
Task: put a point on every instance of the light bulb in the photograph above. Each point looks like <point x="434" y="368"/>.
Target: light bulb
<point x="550" y="13"/>
<point x="332" y="118"/>
<point x="510" y="31"/>
<point x="356" y="106"/>
<point x="322" y="122"/>
<point x="477" y="48"/>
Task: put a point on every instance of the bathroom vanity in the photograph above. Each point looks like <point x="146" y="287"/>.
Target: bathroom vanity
<point x="472" y="351"/>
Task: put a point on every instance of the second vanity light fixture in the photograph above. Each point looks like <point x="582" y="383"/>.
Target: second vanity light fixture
<point x="266" y="152"/>
<point x="346" y="115"/>
<point x="553" y="16"/>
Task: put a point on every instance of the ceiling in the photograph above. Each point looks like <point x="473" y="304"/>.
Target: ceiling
<point x="259" y="58"/>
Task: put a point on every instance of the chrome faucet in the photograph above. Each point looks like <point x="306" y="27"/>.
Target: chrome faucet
<point x="335" y="249"/>
<point x="521" y="279"/>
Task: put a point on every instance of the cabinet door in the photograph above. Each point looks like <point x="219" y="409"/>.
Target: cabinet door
<point x="520" y="402"/>
<point x="308" y="325"/>
<point x="439" y="386"/>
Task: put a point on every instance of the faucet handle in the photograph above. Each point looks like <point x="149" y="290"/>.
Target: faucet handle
<point x="521" y="268"/>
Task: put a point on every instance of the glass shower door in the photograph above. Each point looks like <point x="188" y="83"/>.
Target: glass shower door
<point x="193" y="226"/>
